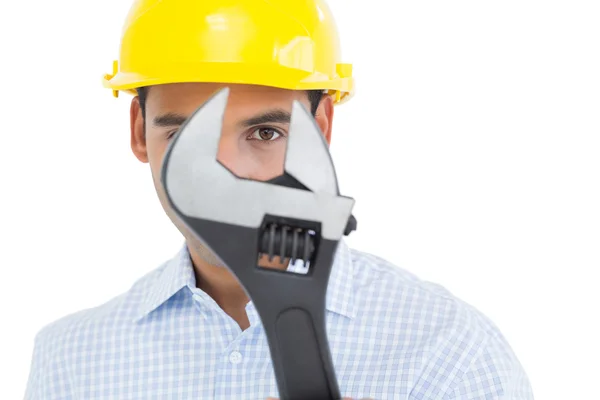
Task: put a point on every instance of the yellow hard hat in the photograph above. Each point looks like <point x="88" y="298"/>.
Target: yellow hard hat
<point x="290" y="44"/>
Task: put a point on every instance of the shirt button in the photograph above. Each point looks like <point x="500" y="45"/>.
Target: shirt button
<point x="235" y="357"/>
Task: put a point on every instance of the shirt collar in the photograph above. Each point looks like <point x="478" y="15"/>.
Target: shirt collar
<point x="178" y="272"/>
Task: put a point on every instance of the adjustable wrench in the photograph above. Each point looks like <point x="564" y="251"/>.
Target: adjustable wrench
<point x="298" y="215"/>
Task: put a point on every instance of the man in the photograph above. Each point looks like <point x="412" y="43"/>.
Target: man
<point x="187" y="330"/>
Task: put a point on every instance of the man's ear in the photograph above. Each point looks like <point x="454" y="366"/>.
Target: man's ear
<point x="324" y="117"/>
<point x="138" y="134"/>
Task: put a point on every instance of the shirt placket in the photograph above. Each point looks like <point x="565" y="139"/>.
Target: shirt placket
<point x="232" y="376"/>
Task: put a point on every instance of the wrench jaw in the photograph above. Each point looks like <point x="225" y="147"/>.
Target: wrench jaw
<point x="306" y="146"/>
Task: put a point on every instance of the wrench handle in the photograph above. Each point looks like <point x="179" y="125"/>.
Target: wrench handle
<point x="306" y="370"/>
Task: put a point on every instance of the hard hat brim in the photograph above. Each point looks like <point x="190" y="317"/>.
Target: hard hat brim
<point x="234" y="73"/>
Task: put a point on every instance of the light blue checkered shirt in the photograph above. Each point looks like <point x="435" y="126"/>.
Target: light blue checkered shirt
<point x="392" y="336"/>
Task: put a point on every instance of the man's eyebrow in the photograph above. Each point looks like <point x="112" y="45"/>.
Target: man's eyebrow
<point x="272" y="116"/>
<point x="169" y="119"/>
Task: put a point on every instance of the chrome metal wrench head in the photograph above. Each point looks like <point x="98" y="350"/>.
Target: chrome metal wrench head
<point x="191" y="166"/>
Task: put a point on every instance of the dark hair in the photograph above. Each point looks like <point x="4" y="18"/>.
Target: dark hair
<point x="314" y="97"/>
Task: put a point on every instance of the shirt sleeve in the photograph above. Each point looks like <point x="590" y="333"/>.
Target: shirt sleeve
<point x="496" y="374"/>
<point x="47" y="376"/>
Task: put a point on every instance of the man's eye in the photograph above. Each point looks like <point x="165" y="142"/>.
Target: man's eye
<point x="265" y="134"/>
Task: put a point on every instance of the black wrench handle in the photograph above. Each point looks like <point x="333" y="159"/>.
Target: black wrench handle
<point x="294" y="319"/>
<point x="305" y="367"/>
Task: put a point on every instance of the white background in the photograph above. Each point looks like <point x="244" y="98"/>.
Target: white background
<point x="471" y="148"/>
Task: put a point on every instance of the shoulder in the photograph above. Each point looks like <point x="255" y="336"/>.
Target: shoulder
<point x="450" y="345"/>
<point x="113" y="314"/>
<point x="76" y="336"/>
<point x="377" y="281"/>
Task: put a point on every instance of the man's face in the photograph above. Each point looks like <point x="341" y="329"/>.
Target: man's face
<point x="253" y="139"/>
